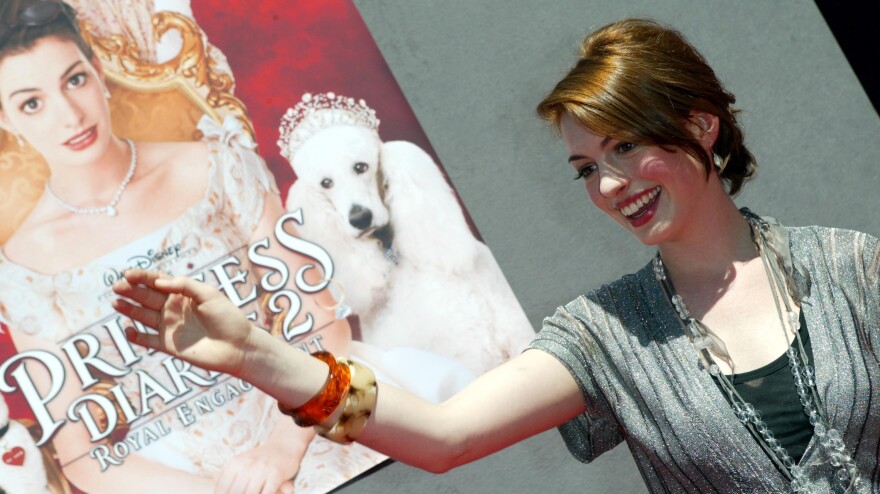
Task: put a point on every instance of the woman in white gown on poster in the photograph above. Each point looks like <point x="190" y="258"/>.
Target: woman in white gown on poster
<point x="108" y="201"/>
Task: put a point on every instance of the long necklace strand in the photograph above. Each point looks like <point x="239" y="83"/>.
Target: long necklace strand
<point x="846" y="476"/>
<point x="110" y="208"/>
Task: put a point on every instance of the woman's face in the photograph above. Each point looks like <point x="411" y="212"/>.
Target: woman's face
<point x="53" y="96"/>
<point x="650" y="191"/>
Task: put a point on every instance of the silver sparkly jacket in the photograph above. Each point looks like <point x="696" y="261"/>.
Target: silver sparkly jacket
<point x="642" y="381"/>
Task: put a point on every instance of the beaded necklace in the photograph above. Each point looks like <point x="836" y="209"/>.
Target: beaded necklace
<point x="110" y="208"/>
<point x="846" y="476"/>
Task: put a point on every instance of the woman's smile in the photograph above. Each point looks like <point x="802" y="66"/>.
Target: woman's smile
<point x="83" y="140"/>
<point x="640" y="208"/>
<point x="659" y="194"/>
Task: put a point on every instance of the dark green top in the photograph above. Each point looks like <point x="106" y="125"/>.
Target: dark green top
<point x="771" y="390"/>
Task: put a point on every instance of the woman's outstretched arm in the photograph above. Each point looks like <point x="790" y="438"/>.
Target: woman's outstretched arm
<point x="529" y="394"/>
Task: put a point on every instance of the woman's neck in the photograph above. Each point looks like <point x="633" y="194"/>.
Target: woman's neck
<point x="95" y="183"/>
<point x="716" y="239"/>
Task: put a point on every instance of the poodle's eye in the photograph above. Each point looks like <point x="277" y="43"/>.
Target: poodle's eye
<point x="326" y="183"/>
<point x="361" y="167"/>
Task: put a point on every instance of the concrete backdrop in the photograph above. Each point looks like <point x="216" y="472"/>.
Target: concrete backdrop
<point x="473" y="71"/>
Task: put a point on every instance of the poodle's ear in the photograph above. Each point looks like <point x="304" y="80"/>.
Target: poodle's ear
<point x="429" y="225"/>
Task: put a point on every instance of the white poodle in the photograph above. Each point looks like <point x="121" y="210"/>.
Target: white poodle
<point x="22" y="470"/>
<point x="405" y="257"/>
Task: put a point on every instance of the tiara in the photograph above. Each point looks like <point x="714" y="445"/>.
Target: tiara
<point x="317" y="112"/>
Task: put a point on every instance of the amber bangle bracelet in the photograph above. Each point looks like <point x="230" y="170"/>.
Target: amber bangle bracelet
<point x="359" y="405"/>
<point x="323" y="404"/>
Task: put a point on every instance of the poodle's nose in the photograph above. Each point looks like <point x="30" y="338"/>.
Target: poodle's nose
<point x="360" y="217"/>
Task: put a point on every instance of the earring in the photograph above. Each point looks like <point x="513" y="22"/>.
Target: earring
<point x="20" y="140"/>
<point x="719" y="162"/>
<point x="106" y="93"/>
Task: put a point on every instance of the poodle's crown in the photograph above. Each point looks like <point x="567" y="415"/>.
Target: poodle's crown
<point x="317" y="112"/>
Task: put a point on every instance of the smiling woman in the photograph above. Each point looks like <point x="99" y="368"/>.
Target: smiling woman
<point x="60" y="111"/>
<point x="650" y="190"/>
<point x="736" y="315"/>
<point x="111" y="204"/>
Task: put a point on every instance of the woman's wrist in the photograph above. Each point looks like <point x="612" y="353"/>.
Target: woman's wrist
<point x="283" y="371"/>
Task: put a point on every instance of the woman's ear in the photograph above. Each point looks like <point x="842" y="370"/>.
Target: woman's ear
<point x="5" y="125"/>
<point x="704" y="128"/>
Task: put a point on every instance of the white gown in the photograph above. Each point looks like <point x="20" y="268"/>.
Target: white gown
<point x="58" y="306"/>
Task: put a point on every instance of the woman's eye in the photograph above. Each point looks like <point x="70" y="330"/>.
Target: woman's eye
<point x="624" y="147"/>
<point x="77" y="80"/>
<point x="32" y="105"/>
<point x="585" y="171"/>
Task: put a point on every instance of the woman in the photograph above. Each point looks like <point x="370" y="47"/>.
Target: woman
<point x="735" y="314"/>
<point x="111" y="203"/>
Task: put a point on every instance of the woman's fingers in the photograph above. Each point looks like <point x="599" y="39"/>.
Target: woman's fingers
<point x="272" y="483"/>
<point x="154" y="281"/>
<point x="234" y="478"/>
<point x="147" y="340"/>
<point x="143" y="295"/>
<point x="140" y="286"/>
<point x="141" y="277"/>
<point x="286" y="487"/>
<point x="189" y="287"/>
<point x="148" y="317"/>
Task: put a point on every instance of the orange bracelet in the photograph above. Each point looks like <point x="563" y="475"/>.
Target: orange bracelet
<point x="359" y="405"/>
<point x="323" y="404"/>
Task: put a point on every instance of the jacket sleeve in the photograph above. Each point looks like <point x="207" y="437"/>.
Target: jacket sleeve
<point x="569" y="339"/>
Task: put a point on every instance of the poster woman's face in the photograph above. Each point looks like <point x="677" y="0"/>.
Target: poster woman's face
<point x="53" y="96"/>
<point x="650" y="191"/>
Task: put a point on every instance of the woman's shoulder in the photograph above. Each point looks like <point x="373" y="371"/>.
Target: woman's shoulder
<point x="841" y="248"/>
<point x="830" y="241"/>
<point x="177" y="174"/>
<point x="240" y="170"/>
<point x="627" y="286"/>
<point x="591" y="310"/>
<point x="835" y="245"/>
<point x="809" y="233"/>
<point x="173" y="160"/>
<point x="825" y="234"/>
<point x="30" y="240"/>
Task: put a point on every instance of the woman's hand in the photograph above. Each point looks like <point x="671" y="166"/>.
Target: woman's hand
<point x="267" y="469"/>
<point x="195" y="321"/>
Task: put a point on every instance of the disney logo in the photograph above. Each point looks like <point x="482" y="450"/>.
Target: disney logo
<point x="152" y="257"/>
<point x="147" y="260"/>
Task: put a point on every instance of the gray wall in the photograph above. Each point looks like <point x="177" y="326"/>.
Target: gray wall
<point x="473" y="71"/>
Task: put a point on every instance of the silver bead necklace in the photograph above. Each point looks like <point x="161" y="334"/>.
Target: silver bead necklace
<point x="110" y="208"/>
<point x="846" y="476"/>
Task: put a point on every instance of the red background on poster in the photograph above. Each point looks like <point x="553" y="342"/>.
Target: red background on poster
<point x="279" y="49"/>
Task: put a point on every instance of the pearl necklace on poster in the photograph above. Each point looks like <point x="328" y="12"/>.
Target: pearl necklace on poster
<point x="110" y="208"/>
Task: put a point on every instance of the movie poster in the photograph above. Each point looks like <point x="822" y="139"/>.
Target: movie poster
<point x="316" y="205"/>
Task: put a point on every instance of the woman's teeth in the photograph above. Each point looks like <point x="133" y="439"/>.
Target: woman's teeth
<point x="81" y="137"/>
<point x="640" y="202"/>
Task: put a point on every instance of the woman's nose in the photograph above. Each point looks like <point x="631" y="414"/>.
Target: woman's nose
<point x="70" y="113"/>
<point x="612" y="184"/>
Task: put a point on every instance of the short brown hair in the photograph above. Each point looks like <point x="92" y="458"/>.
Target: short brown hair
<point x="637" y="80"/>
